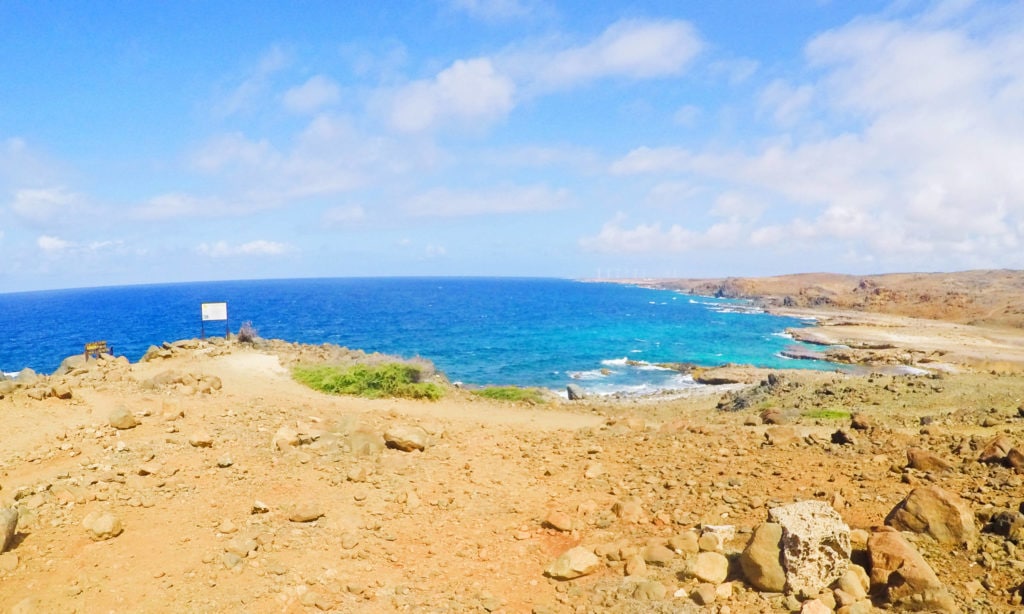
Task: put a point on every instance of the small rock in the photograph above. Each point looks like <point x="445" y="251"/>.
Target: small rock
<point x="560" y="521"/>
<point x="122" y="419"/>
<point x="573" y="563"/>
<point x="923" y="460"/>
<point x="843" y="438"/>
<point x="686" y="542"/>
<point x="650" y="591"/>
<point x="575" y="392"/>
<point x="102" y="525"/>
<point x="658" y="555"/>
<point x="307" y="511"/>
<point x="8" y="527"/>
<point x="259" y="507"/>
<point x="860" y="422"/>
<point x="61" y="390"/>
<point x="710" y="567"/>
<point x="225" y="461"/>
<point x="814" y="606"/>
<point x="406" y="438"/>
<point x="200" y="439"/>
<point x="629" y="511"/>
<point x="704" y="594"/>
<point x="996" y="449"/>
<point x="285" y="437"/>
<point x="636" y="566"/>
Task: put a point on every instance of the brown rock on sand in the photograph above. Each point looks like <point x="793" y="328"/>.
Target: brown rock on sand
<point x="923" y="460"/>
<point x="122" y="419"/>
<point x="939" y="513"/>
<point x="905" y="575"/>
<point x="761" y="560"/>
<point x="995" y="451"/>
<point x="8" y="527"/>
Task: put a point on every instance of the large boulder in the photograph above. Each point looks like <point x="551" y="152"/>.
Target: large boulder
<point x="815" y="545"/>
<point x="761" y="560"/>
<point x="941" y="514"/>
<point x="907" y="579"/>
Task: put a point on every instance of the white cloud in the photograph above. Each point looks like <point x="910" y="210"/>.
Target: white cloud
<point x="921" y="161"/>
<point x="175" y="205"/>
<point x="467" y="91"/>
<point x="51" y="244"/>
<point x="319" y="91"/>
<point x="686" y="115"/>
<point x="444" y="202"/>
<point x="45" y="205"/>
<point x="223" y="249"/>
<point x="255" y="85"/>
<point x="786" y="103"/>
<point x="632" y="49"/>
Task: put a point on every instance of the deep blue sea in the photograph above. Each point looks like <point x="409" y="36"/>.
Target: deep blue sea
<point x="528" y="332"/>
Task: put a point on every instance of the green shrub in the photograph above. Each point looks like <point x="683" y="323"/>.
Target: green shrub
<point x="371" y="381"/>
<point x="827" y="414"/>
<point x="512" y="393"/>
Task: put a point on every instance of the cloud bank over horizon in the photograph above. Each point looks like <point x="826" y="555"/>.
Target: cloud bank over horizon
<point x="510" y="137"/>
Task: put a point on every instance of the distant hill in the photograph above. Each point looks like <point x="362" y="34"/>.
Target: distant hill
<point x="992" y="298"/>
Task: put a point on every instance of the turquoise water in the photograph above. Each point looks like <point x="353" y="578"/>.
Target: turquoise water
<point x="528" y="332"/>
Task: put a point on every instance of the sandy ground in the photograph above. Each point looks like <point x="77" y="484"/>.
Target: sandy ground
<point x="264" y="496"/>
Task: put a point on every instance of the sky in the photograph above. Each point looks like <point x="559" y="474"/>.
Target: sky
<point x="151" y="142"/>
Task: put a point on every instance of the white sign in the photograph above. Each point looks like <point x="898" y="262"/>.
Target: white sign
<point x="215" y="311"/>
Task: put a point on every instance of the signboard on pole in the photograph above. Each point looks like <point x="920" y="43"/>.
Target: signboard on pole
<point x="215" y="312"/>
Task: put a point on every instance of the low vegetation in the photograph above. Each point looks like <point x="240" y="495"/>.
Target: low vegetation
<point x="512" y="393"/>
<point x="828" y="414"/>
<point x="370" y="381"/>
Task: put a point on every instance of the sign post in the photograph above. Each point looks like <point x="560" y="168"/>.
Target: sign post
<point x="215" y="312"/>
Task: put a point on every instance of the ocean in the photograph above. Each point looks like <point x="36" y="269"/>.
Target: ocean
<point x="604" y="337"/>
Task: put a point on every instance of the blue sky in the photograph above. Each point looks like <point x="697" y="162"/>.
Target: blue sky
<point x="145" y="142"/>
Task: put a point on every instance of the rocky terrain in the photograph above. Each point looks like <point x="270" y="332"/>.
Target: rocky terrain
<point x="970" y="297"/>
<point x="204" y="479"/>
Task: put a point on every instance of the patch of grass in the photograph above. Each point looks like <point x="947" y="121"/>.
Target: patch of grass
<point x="512" y="393"/>
<point x="384" y="380"/>
<point x="827" y="414"/>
